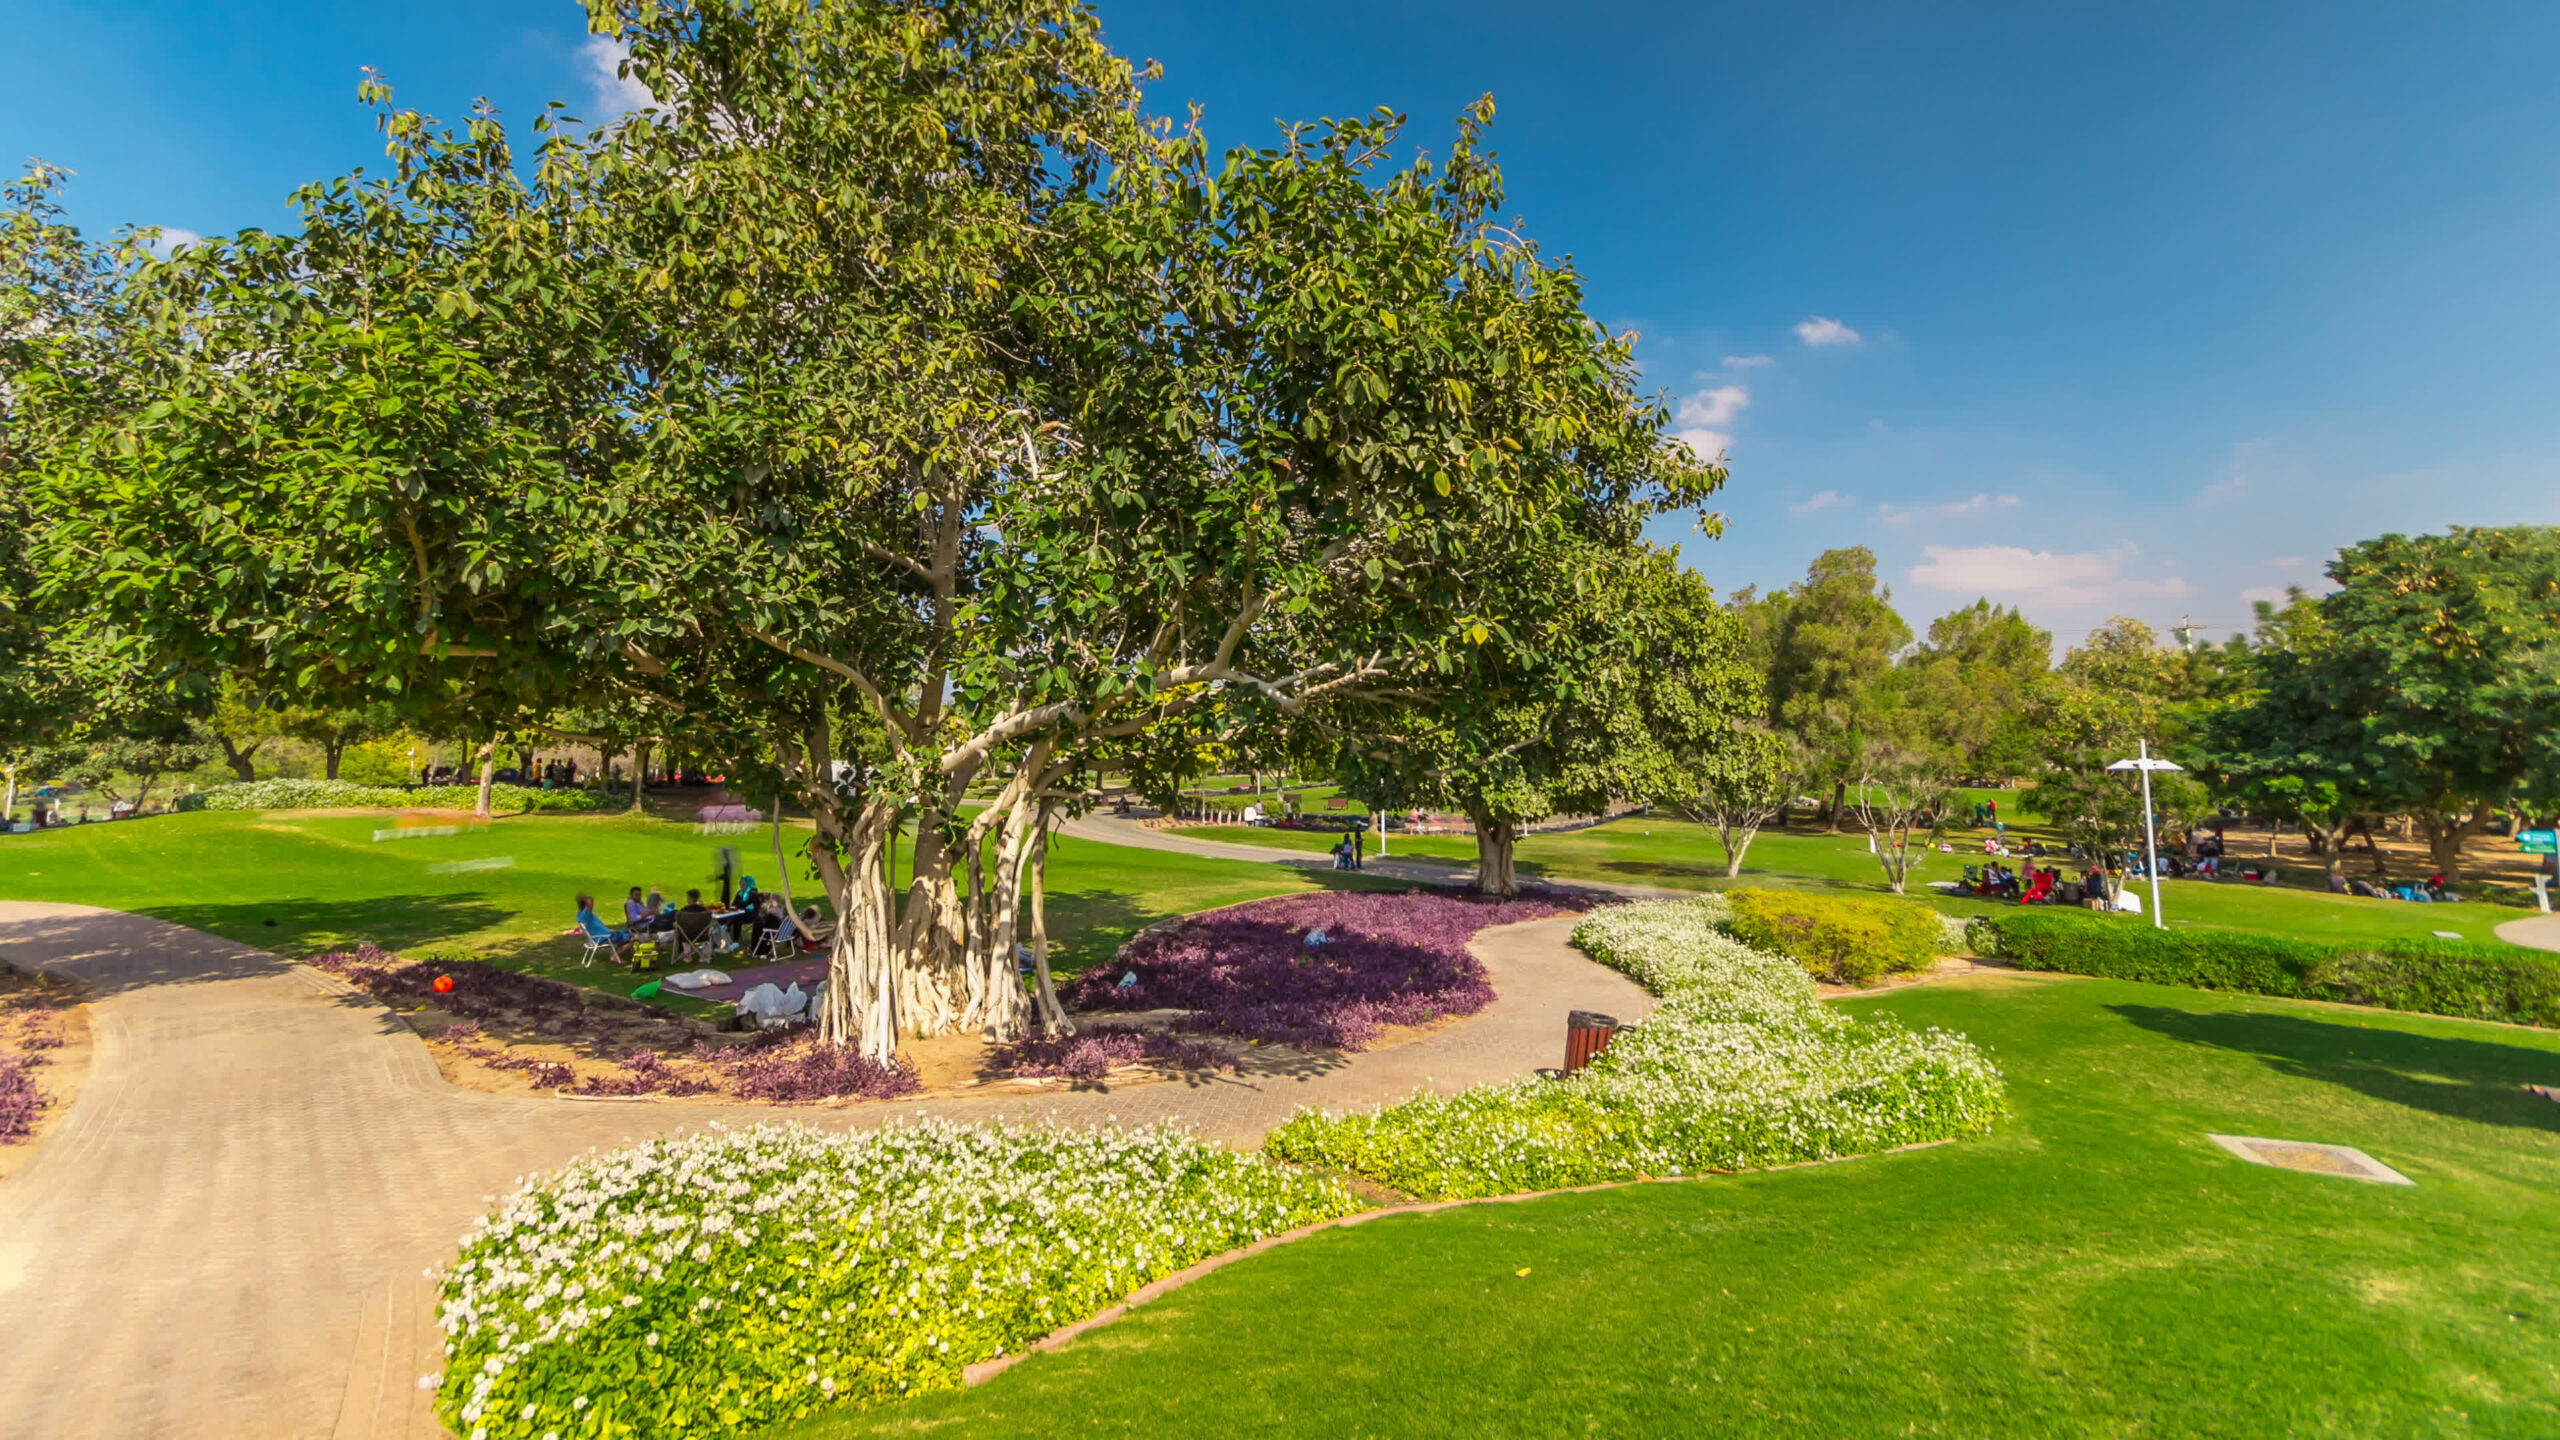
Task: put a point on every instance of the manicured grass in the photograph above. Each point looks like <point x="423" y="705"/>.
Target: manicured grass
<point x="302" y="883"/>
<point x="1676" y="855"/>
<point x="2094" y="1267"/>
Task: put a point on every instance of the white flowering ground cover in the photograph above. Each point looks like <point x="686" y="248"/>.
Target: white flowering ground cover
<point x="704" y="1285"/>
<point x="1740" y="1067"/>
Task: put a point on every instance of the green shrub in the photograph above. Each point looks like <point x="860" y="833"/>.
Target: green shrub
<point x="281" y="794"/>
<point x="2437" y="977"/>
<point x="1836" y="938"/>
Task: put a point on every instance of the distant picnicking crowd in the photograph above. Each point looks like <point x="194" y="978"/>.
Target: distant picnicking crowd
<point x="2104" y="882"/>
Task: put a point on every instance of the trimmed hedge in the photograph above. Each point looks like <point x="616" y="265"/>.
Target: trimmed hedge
<point x="2436" y="977"/>
<point x="1836" y="938"/>
<point x="282" y="794"/>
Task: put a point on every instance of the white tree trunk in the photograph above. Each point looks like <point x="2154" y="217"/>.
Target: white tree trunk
<point x="488" y="780"/>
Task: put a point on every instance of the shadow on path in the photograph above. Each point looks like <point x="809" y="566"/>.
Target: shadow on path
<point x="2469" y="1079"/>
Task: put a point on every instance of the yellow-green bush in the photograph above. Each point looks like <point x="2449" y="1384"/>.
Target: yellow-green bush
<point x="1837" y="938"/>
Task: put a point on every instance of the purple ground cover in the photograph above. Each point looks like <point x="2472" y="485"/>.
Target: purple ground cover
<point x="1091" y="1056"/>
<point x="1392" y="959"/>
<point x="19" y="1100"/>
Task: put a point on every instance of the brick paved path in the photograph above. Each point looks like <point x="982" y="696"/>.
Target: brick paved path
<point x="226" y="1237"/>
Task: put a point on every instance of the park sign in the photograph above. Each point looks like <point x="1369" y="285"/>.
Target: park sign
<point x="2538" y="842"/>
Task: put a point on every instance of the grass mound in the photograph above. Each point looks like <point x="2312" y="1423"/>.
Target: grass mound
<point x="1741" y="1067"/>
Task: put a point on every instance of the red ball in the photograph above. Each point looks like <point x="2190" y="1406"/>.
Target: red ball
<point x="444" y="985"/>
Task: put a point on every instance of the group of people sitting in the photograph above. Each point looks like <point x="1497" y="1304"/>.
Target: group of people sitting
<point x="757" y="923"/>
<point x="2430" y="891"/>
<point x="2045" y="886"/>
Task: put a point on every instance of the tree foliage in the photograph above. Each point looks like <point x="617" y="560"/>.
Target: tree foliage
<point x="894" y="375"/>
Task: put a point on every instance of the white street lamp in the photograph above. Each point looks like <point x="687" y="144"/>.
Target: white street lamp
<point x="2150" y="839"/>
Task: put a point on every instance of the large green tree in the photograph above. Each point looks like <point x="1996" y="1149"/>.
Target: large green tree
<point x="895" y="367"/>
<point x="2438" y="648"/>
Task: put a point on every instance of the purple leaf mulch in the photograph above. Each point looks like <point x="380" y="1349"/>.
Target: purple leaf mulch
<point x="1091" y="1056"/>
<point x="1391" y="959"/>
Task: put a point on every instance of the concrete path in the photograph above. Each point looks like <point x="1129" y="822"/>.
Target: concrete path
<point x="2539" y="932"/>
<point x="227" y="1235"/>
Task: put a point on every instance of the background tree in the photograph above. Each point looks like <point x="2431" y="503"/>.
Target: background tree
<point x="240" y="722"/>
<point x="1969" y="690"/>
<point x="1830" y="642"/>
<point x="337" y="729"/>
<point x="1739" y="785"/>
<point x="1900" y="799"/>
<point x="2110" y="695"/>
<point x="1635" y="676"/>
<point x="2444" y="642"/>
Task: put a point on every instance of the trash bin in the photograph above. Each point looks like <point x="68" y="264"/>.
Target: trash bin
<point x="1586" y="1034"/>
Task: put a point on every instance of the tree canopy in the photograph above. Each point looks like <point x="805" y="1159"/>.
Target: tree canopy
<point x="893" y="375"/>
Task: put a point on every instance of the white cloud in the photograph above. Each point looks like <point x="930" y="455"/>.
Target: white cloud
<point x="1980" y="504"/>
<point x="1748" y="362"/>
<point x="2040" y="577"/>
<point x="1821" y="331"/>
<point x="1823" y="501"/>
<point x="172" y="239"/>
<point x="1705" y="416"/>
<point x="615" y="94"/>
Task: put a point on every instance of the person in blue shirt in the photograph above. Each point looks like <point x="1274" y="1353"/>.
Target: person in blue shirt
<point x="596" y="929"/>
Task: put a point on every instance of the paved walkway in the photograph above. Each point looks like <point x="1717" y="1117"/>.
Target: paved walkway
<point x="2539" y="932"/>
<point x="226" y="1236"/>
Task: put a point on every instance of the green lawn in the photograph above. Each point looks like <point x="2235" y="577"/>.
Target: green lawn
<point x="298" y="884"/>
<point x="1677" y="855"/>
<point x="2094" y="1267"/>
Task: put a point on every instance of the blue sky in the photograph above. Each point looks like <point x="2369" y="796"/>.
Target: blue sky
<point x="2095" y="310"/>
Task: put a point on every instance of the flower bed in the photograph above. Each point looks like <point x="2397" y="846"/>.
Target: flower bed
<point x="1740" y="1067"/>
<point x="731" y="1280"/>
<point x="1391" y="959"/>
<point x="1093" y="1055"/>
<point x="649" y="1051"/>
<point x="27" y="1039"/>
<point x="283" y="794"/>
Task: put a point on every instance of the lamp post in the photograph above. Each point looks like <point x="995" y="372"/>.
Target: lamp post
<point x="2150" y="838"/>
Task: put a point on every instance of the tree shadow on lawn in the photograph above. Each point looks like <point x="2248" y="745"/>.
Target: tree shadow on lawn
<point x="113" y="957"/>
<point x="301" y="927"/>
<point x="2467" y="1079"/>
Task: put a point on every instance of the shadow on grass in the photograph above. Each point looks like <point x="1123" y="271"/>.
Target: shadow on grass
<point x="302" y="927"/>
<point x="116" y="951"/>
<point x="2468" y="1079"/>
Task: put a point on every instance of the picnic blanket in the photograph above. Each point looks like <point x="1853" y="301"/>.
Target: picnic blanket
<point x="806" y="972"/>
